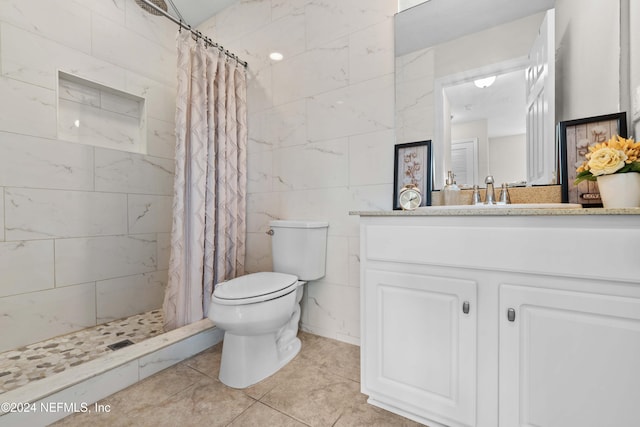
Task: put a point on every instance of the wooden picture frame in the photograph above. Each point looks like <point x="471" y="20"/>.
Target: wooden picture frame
<point x="412" y="165"/>
<point x="575" y="136"/>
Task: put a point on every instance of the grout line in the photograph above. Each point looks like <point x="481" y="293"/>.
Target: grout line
<point x="245" y="410"/>
<point x="283" y="413"/>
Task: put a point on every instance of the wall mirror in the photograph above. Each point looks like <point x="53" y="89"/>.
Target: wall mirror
<point x="442" y="48"/>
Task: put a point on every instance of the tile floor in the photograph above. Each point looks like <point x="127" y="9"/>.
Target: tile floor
<point x="45" y="358"/>
<point x="320" y="387"/>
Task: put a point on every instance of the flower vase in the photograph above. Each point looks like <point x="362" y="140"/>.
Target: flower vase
<point x="620" y="190"/>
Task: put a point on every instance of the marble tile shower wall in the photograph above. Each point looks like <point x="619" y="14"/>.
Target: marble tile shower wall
<point x="320" y="132"/>
<point x="84" y="230"/>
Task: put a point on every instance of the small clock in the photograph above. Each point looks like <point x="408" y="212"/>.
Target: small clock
<point x="410" y="197"/>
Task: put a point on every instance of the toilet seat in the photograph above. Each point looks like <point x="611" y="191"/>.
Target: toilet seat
<point x="253" y="288"/>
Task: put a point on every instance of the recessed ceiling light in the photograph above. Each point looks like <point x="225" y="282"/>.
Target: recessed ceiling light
<point x="276" y="56"/>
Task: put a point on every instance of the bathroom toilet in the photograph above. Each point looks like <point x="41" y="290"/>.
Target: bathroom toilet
<point x="260" y="312"/>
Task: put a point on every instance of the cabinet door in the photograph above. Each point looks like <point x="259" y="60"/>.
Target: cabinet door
<point x="568" y="359"/>
<point x="420" y="347"/>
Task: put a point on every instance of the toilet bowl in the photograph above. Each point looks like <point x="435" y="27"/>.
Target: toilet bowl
<point x="260" y="312"/>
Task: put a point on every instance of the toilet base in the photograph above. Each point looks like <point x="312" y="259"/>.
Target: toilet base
<point x="250" y="358"/>
<point x="247" y="360"/>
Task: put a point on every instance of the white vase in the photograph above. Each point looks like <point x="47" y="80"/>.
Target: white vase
<point x="620" y="190"/>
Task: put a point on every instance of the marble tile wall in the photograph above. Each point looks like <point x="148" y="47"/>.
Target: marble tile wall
<point x="84" y="230"/>
<point x="320" y="132"/>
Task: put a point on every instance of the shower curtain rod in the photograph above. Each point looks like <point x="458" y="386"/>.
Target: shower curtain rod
<point x="197" y="34"/>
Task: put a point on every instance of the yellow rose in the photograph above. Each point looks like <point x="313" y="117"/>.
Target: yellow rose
<point x="606" y="161"/>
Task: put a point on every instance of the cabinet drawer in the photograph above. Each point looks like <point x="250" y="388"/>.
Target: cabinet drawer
<point x="509" y="248"/>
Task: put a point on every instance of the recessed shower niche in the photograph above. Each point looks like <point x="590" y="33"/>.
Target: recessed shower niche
<point x="94" y="114"/>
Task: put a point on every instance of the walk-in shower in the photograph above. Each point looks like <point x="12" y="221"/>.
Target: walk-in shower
<point x="85" y="221"/>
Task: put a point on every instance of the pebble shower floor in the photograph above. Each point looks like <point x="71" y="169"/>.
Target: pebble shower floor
<point x="46" y="358"/>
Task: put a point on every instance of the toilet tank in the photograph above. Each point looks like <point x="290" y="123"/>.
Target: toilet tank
<point x="300" y="248"/>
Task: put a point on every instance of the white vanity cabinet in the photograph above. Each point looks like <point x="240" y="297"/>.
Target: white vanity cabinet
<point x="423" y="343"/>
<point x="502" y="320"/>
<point x="569" y="358"/>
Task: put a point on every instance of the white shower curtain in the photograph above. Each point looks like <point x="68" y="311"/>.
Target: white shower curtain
<point x="209" y="205"/>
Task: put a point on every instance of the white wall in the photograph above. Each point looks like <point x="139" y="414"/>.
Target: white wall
<point x="508" y="158"/>
<point x="84" y="230"/>
<point x="634" y="48"/>
<point x="588" y="58"/>
<point x="320" y="132"/>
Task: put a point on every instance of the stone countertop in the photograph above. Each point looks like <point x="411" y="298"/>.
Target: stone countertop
<point x="502" y="211"/>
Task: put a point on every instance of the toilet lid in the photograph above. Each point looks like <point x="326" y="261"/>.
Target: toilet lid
<point x="254" y="285"/>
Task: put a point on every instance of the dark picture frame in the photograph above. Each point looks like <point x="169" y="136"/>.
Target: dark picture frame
<point x="412" y="165"/>
<point x="575" y="136"/>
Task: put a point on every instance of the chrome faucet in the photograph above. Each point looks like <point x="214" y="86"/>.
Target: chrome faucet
<point x="490" y="196"/>
<point x="503" y="198"/>
<point x="475" y="197"/>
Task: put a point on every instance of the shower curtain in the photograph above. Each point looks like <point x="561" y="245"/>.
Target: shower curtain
<point x="209" y="205"/>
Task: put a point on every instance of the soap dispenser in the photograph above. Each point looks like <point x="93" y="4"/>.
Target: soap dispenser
<point x="451" y="190"/>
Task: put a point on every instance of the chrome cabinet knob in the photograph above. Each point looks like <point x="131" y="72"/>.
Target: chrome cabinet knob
<point x="465" y="307"/>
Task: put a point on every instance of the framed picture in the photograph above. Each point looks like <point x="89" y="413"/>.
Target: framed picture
<point x="412" y="165"/>
<point x="575" y="137"/>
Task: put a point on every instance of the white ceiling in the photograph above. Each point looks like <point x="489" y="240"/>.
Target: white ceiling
<point x="195" y="12"/>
